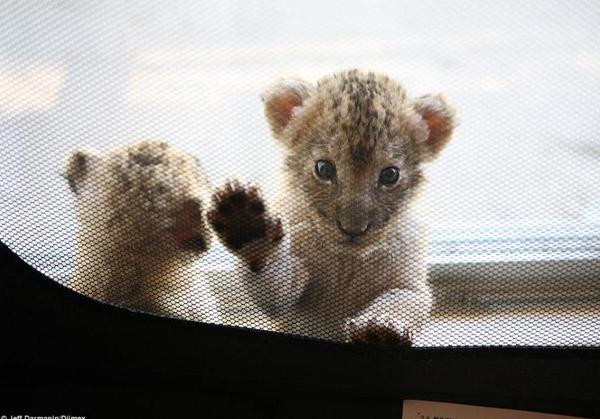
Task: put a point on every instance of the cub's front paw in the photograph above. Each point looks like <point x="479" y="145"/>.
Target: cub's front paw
<point x="188" y="227"/>
<point x="378" y="331"/>
<point x="240" y="218"/>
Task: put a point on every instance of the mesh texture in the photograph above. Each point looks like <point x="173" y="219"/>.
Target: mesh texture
<point x="140" y="169"/>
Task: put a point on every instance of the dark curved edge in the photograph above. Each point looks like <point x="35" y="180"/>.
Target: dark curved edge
<point x="62" y="353"/>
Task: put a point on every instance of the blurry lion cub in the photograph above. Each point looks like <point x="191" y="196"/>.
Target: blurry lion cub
<point x="141" y="229"/>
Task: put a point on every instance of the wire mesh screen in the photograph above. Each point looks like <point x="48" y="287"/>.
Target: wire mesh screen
<point x="421" y="173"/>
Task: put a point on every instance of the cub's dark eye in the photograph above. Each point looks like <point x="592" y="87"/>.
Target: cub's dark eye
<point x="389" y="176"/>
<point x="325" y="169"/>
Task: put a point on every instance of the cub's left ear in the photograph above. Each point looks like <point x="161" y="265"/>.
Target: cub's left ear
<point x="436" y="125"/>
<point x="76" y="168"/>
<point x="282" y="101"/>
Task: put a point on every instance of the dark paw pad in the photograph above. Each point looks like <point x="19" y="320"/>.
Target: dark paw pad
<point x="195" y="244"/>
<point x="239" y="215"/>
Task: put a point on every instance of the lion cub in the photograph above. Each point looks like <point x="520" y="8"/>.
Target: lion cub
<point x="141" y="229"/>
<point x="345" y="258"/>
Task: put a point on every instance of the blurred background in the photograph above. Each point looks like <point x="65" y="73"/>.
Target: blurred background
<point x="519" y="181"/>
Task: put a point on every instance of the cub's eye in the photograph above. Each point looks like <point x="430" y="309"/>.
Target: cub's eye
<point x="389" y="176"/>
<point x="325" y="169"/>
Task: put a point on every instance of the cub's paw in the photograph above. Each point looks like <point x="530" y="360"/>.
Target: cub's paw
<point x="188" y="227"/>
<point x="378" y="331"/>
<point x="240" y="218"/>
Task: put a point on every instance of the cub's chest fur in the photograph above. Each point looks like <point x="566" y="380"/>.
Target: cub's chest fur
<point x="343" y="280"/>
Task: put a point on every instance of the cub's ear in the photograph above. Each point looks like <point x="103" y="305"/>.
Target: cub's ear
<point x="76" y="168"/>
<point x="283" y="100"/>
<point x="436" y="124"/>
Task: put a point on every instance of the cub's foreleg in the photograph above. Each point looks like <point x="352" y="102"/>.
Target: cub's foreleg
<point x="392" y="318"/>
<point x="274" y="278"/>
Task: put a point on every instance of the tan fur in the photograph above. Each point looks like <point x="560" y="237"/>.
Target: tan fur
<point x="352" y="260"/>
<point x="141" y="229"/>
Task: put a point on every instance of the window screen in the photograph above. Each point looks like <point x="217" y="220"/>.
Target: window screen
<point x="132" y="135"/>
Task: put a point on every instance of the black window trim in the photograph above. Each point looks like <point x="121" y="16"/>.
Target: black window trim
<point x="50" y="331"/>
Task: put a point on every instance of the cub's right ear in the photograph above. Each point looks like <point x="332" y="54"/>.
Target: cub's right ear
<point x="283" y="100"/>
<point x="76" y="168"/>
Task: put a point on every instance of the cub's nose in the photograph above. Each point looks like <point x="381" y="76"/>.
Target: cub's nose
<point x="355" y="230"/>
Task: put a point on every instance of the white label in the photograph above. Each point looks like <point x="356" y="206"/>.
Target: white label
<point x="419" y="409"/>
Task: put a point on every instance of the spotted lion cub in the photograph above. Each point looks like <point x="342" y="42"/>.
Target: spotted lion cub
<point x="344" y="258"/>
<point x="141" y="229"/>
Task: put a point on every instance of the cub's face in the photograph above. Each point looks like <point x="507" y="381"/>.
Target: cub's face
<point x="146" y="195"/>
<point x="354" y="198"/>
<point x="355" y="145"/>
